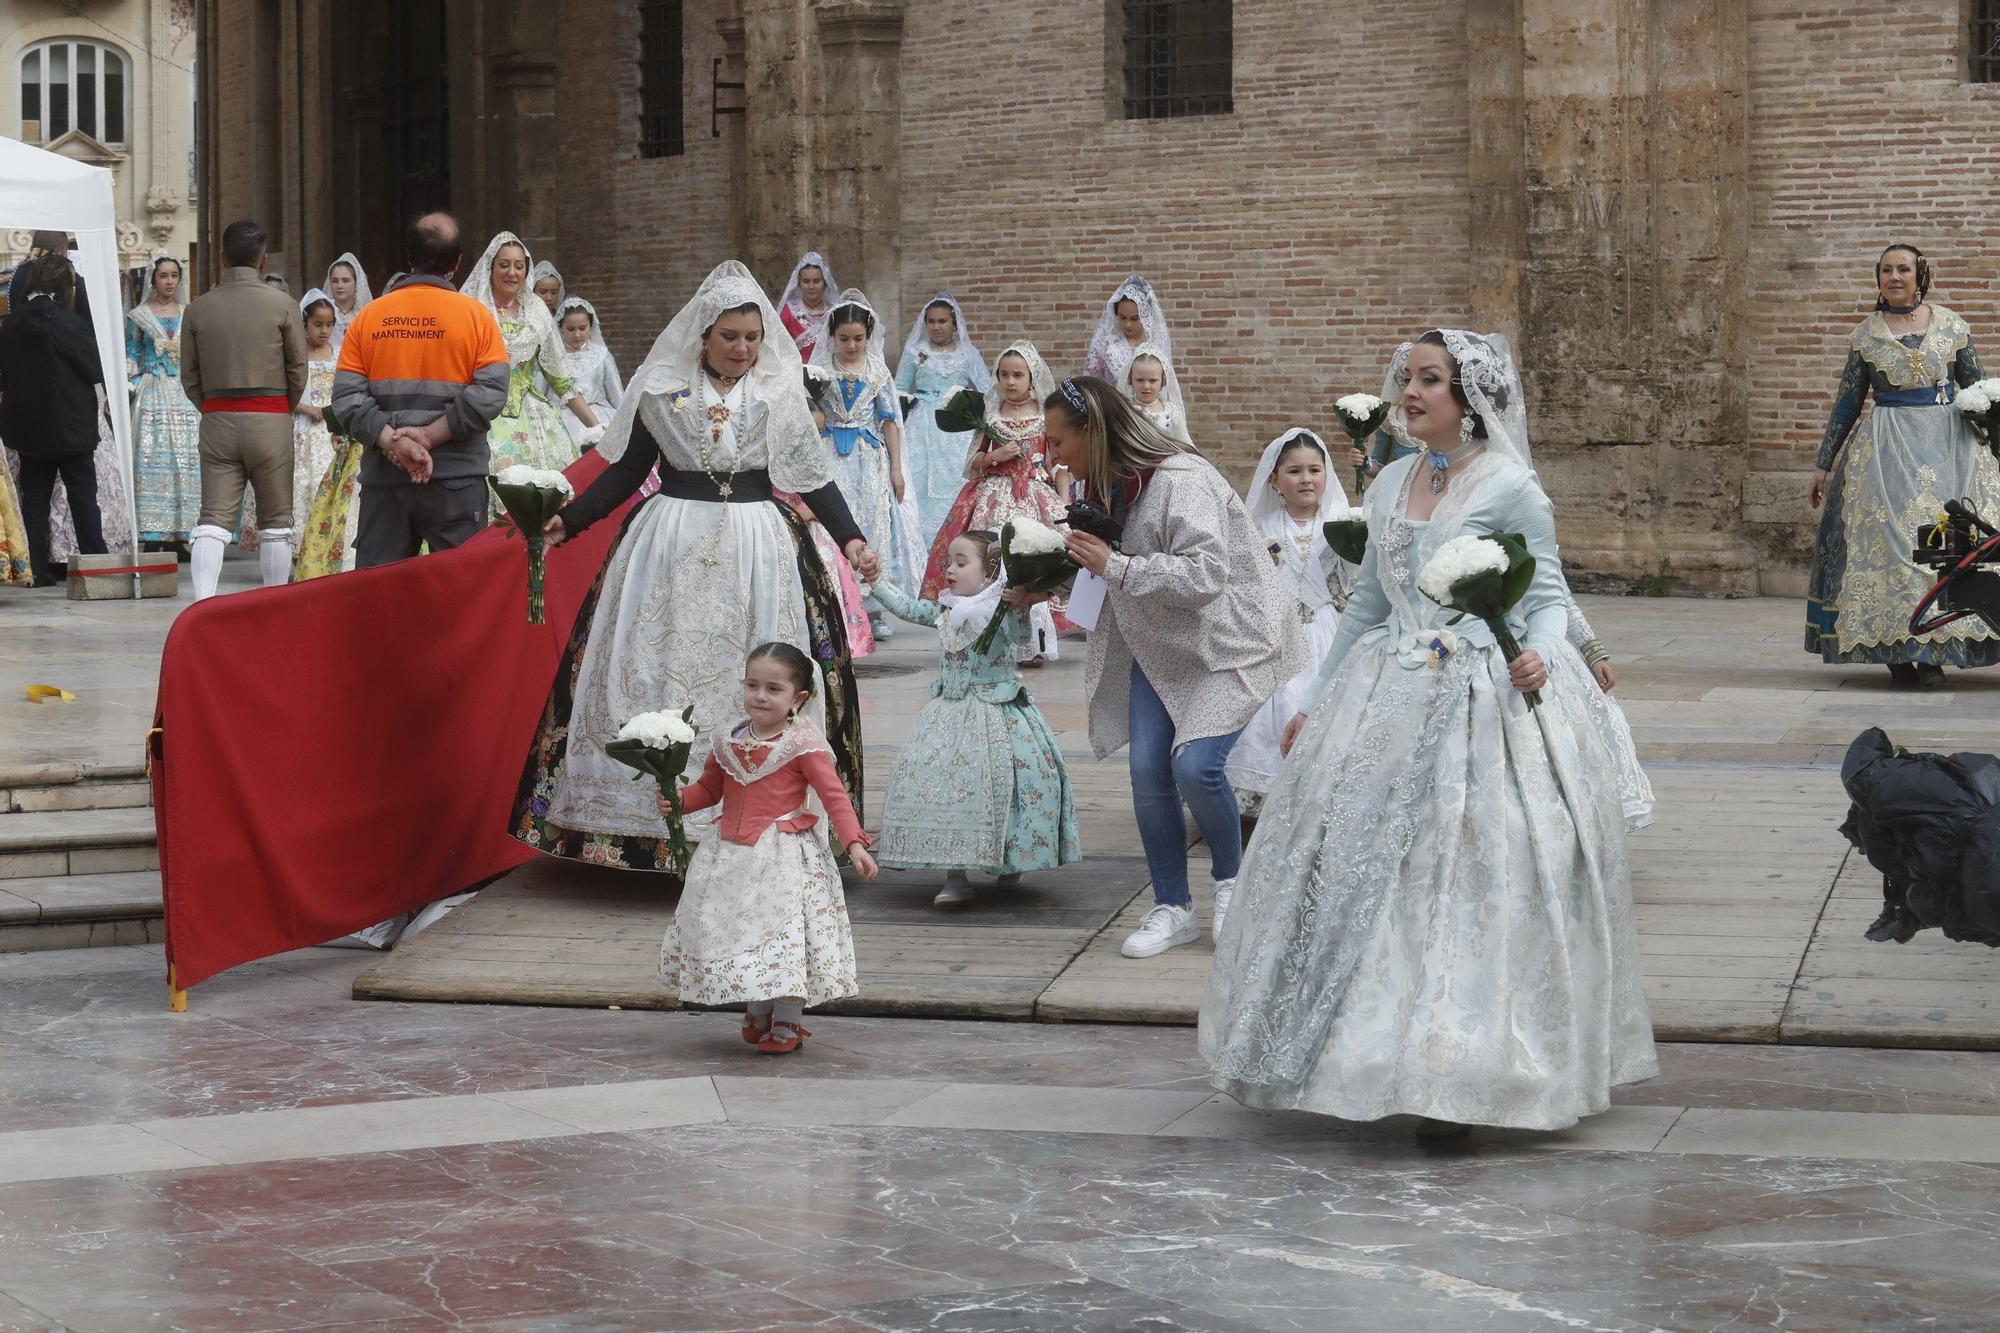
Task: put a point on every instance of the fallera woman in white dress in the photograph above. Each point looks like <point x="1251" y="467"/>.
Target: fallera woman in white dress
<point x="592" y="372"/>
<point x="1434" y="917"/>
<point x="1132" y="315"/>
<point x="1292" y="495"/>
<point x="708" y="568"/>
<point x="346" y="285"/>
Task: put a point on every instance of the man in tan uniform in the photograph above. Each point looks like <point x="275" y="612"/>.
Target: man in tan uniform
<point x="243" y="363"/>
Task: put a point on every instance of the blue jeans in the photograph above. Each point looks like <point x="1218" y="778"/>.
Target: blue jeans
<point x="1162" y="778"/>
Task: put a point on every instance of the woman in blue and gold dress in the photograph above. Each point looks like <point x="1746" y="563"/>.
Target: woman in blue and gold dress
<point x="1884" y="477"/>
<point x="166" y="467"/>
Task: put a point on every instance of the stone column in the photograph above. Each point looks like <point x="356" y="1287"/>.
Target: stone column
<point x="861" y="42"/>
<point x="1609" y="235"/>
<point x="780" y="142"/>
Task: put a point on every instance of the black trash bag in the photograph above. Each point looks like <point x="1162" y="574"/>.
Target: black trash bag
<point x="1931" y="824"/>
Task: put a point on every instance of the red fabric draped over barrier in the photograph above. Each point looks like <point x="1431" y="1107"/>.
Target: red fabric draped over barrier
<point x="338" y="751"/>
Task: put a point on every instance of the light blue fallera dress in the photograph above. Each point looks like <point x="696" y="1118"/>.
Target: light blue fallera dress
<point x="981" y="785"/>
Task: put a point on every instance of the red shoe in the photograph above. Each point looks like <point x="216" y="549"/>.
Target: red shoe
<point x="773" y="1044"/>
<point x="751" y="1032"/>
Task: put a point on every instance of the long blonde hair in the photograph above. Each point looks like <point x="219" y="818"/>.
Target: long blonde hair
<point x="1119" y="440"/>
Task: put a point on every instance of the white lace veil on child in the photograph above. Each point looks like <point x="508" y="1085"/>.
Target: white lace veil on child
<point x="962" y="352"/>
<point x="1041" y="380"/>
<point x="544" y="269"/>
<point x="1108" y="346"/>
<point x="1170" y="393"/>
<point x="827" y="357"/>
<point x="596" y="338"/>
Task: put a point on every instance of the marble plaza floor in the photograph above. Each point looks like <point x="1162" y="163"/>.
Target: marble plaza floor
<point x="284" y="1156"/>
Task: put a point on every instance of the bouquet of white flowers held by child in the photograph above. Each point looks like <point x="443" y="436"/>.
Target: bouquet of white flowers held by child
<point x="1485" y="578"/>
<point x="531" y="496"/>
<point x="1033" y="558"/>
<point x="1360" y="415"/>
<point x="1348" y="535"/>
<point x="1981" y="405"/>
<point x="658" y="745"/>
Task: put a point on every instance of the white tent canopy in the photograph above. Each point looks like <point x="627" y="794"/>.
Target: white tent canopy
<point x="47" y="191"/>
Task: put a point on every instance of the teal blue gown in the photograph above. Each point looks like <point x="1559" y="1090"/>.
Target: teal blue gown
<point x="981" y="785"/>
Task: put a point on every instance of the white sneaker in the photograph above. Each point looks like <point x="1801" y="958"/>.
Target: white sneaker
<point x="1225" y="889"/>
<point x="880" y="628"/>
<point x="1164" y="928"/>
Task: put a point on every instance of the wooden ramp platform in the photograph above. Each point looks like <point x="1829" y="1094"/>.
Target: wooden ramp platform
<point x="1750" y="906"/>
<point x="1750" y="911"/>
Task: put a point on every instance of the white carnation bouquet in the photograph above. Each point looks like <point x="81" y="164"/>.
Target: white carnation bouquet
<point x="1981" y="405"/>
<point x="531" y="496"/>
<point x="1348" y="535"/>
<point x="659" y="745"/>
<point x="1485" y="578"/>
<point x="1034" y="558"/>
<point x="1360" y="415"/>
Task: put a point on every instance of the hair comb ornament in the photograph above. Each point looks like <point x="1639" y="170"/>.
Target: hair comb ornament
<point x="1072" y="394"/>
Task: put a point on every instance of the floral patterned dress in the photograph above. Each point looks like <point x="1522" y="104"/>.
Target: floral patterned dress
<point x="764" y="919"/>
<point x="312" y="442"/>
<point x="993" y="497"/>
<point x="166" y="428"/>
<point x="981" y="785"/>
<point x="529" y="429"/>
<point x="13" y="535"/>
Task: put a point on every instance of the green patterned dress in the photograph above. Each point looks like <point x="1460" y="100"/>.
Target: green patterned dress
<point x="981" y="784"/>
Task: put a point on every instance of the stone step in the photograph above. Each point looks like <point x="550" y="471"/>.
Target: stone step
<point x="76" y="842"/>
<point x="79" y="911"/>
<point x="42" y="786"/>
<point x="77" y="796"/>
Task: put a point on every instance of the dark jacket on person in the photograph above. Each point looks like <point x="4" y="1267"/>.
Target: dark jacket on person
<point x="49" y="370"/>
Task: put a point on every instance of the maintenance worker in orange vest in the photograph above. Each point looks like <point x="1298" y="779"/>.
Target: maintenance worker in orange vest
<point x="422" y="373"/>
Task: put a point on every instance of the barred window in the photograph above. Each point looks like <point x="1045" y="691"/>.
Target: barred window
<point x="1177" y="58"/>
<point x="660" y="77"/>
<point x="1984" y="65"/>
<point x="70" y="85"/>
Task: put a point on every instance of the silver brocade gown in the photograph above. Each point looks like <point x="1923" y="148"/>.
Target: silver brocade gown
<point x="1434" y="915"/>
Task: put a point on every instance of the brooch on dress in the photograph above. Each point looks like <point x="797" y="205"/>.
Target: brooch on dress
<point x="1426" y="648"/>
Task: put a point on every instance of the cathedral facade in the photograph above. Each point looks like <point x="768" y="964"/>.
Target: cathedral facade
<point x="1672" y="207"/>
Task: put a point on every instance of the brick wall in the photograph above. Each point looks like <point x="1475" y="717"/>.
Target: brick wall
<point x="636" y="235"/>
<point x="1863" y="131"/>
<point x="1293" y="243"/>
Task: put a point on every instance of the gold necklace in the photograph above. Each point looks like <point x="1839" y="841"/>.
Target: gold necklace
<point x="718" y="415"/>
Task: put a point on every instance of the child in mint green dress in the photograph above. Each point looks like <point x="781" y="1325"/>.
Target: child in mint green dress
<point x="980" y="788"/>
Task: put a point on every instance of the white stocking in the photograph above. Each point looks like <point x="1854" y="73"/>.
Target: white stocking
<point x="205" y="559"/>
<point x="274" y="555"/>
